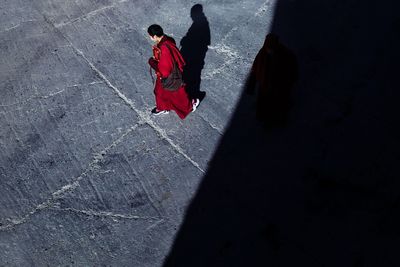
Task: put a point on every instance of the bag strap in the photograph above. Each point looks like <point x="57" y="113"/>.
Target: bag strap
<point x="173" y="58"/>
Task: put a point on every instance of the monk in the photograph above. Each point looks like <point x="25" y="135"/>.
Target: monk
<point x="273" y="74"/>
<point x="165" y="56"/>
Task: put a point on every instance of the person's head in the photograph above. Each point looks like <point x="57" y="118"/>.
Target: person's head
<point x="156" y="32"/>
<point x="196" y="11"/>
<point x="271" y="43"/>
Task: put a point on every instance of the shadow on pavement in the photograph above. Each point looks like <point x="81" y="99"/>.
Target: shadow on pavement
<point x="323" y="190"/>
<point x="194" y="46"/>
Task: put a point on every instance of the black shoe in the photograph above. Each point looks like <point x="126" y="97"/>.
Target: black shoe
<point x="156" y="112"/>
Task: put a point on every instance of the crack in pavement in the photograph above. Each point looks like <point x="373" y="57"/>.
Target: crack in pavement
<point x="144" y="116"/>
<point x="98" y="157"/>
<point x="216" y="128"/>
<point x="155" y="224"/>
<point x="112" y="215"/>
<point x="231" y="54"/>
<point x="87" y="15"/>
<point x="38" y="96"/>
<point x="219" y="70"/>
<point x="16" y="25"/>
<point x="93" y="166"/>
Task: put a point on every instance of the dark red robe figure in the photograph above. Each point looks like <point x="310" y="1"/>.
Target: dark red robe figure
<point x="273" y="73"/>
<point x="169" y="100"/>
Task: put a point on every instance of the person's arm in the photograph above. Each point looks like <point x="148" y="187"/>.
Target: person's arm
<point x="153" y="63"/>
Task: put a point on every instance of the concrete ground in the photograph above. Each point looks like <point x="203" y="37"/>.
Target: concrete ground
<point x="89" y="178"/>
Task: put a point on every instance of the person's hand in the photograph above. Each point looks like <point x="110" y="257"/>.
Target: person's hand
<point x="152" y="60"/>
<point x="153" y="63"/>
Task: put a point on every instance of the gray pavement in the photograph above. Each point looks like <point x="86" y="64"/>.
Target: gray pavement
<point x="87" y="176"/>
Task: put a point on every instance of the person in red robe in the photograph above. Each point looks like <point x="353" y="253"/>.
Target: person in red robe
<point x="165" y="55"/>
<point x="273" y="75"/>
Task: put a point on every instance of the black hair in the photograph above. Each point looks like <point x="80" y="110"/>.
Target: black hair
<point x="155" y="30"/>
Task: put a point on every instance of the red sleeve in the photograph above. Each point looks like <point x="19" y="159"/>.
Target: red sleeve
<point x="165" y="64"/>
<point x="153" y="63"/>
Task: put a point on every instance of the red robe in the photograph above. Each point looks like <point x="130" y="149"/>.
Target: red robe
<point x="170" y="100"/>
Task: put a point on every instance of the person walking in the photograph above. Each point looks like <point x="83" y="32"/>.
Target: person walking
<point x="168" y="63"/>
<point x="273" y="74"/>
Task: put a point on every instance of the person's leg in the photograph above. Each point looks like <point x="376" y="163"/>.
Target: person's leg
<point x="161" y="96"/>
<point x="180" y="102"/>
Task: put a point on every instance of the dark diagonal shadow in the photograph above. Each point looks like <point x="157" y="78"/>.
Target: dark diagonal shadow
<point x="323" y="189"/>
<point x="194" y="46"/>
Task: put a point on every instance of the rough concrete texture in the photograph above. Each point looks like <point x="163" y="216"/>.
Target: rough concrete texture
<point x="89" y="178"/>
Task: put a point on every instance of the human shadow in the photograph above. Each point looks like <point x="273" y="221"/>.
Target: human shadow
<point x="194" y="46"/>
<point x="323" y="190"/>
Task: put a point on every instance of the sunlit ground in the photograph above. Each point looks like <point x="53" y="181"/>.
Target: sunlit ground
<point x="88" y="177"/>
